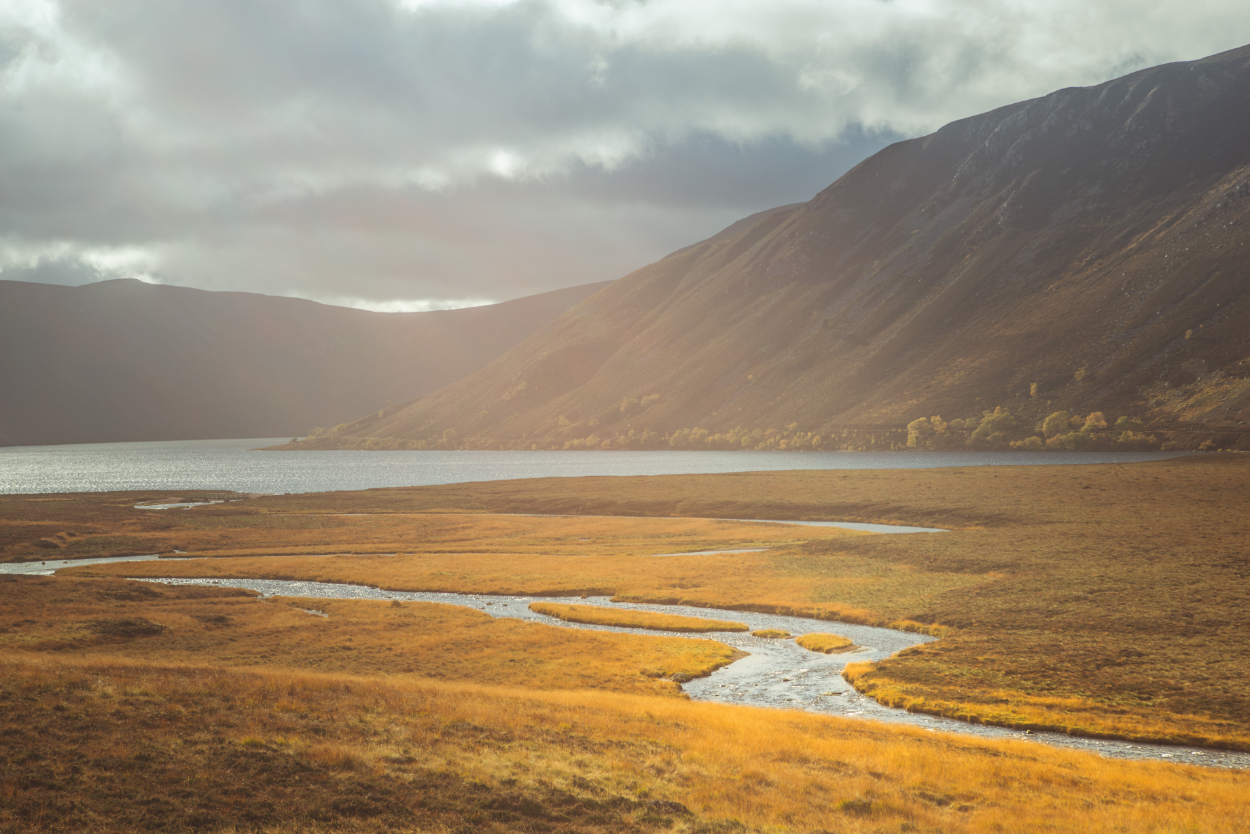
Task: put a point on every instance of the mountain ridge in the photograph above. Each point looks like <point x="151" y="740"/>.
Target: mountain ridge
<point x="1081" y="251"/>
<point x="124" y="360"/>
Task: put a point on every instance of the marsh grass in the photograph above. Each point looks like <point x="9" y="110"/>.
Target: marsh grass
<point x="824" y="643"/>
<point x="232" y="628"/>
<point x="110" y="745"/>
<point x="771" y="633"/>
<point x="1119" y="588"/>
<point x="83" y="526"/>
<point x="626" y="618"/>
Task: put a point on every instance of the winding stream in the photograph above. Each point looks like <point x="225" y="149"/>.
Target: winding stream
<point x="777" y="674"/>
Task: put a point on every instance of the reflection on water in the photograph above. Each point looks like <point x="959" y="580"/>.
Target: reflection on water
<point x="228" y="465"/>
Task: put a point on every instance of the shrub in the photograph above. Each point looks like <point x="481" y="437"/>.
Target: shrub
<point x="1128" y="424"/>
<point x="994" y="429"/>
<point x="1056" y="424"/>
<point x="919" y="433"/>
<point x="1094" y="422"/>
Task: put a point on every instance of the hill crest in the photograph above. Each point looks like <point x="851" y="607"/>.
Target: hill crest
<point x="125" y="361"/>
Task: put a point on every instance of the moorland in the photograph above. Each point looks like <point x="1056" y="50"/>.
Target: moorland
<point x="1096" y="600"/>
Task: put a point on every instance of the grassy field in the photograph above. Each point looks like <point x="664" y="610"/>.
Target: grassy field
<point x="107" y="524"/>
<point x="625" y="618"/>
<point x="824" y="643"/>
<point x="1098" y="600"/>
<point x="1104" y="600"/>
<point x="1120" y="609"/>
<point x="169" y="624"/>
<point x="93" y="744"/>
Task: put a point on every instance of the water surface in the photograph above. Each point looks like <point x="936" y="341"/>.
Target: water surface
<point x="777" y="674"/>
<point x="229" y="465"/>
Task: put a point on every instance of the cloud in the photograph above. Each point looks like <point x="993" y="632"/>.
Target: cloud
<point x="433" y="151"/>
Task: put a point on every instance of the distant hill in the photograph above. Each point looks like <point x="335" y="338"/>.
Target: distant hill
<point x="125" y="360"/>
<point x="1088" y="250"/>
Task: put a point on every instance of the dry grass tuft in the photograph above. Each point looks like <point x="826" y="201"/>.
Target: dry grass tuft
<point x="824" y="643"/>
<point x="626" y="618"/>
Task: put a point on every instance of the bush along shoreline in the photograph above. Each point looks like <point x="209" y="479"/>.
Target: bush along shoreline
<point x="996" y="430"/>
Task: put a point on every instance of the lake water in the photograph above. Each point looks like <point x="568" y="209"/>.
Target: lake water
<point x="230" y="465"/>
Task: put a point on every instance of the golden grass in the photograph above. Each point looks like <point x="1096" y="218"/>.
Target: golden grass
<point x="1062" y="714"/>
<point x="82" y="526"/>
<point x="170" y="624"/>
<point x="824" y="643"/>
<point x="1118" y="588"/>
<point x="746" y="582"/>
<point x="98" y="745"/>
<point x="771" y="633"/>
<point x="625" y="618"/>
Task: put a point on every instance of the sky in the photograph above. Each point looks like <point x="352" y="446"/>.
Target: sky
<point x="424" y="154"/>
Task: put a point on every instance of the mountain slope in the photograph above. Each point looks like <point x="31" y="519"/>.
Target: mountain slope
<point x="1086" y="250"/>
<point x="125" y="360"/>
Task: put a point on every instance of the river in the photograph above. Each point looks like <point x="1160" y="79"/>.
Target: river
<point x="776" y="674"/>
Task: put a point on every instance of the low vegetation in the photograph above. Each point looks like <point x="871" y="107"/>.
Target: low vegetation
<point x="771" y="633"/>
<point x="1111" y="600"/>
<point x="994" y="429"/>
<point x="155" y="623"/>
<point x="587" y="436"/>
<point x="94" y="744"/>
<point x="824" y="643"/>
<point x="626" y="618"/>
<point x="36" y="527"/>
<point x="1000" y="430"/>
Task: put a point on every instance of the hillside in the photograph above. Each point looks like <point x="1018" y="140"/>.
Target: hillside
<point x="1084" y="251"/>
<point x="125" y="360"/>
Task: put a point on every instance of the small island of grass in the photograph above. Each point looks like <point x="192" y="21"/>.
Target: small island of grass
<point x="626" y="618"/>
<point x="824" y="643"/>
<point x="771" y="633"/>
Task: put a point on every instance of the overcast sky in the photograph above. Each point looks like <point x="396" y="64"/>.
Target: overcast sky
<point x="429" y="153"/>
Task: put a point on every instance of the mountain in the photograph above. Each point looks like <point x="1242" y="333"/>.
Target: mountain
<point x="1087" y="250"/>
<point x="125" y="360"/>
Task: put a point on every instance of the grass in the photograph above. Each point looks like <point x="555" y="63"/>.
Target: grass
<point x="1108" y="600"/>
<point x="196" y="625"/>
<point x="218" y="749"/>
<point x="128" y="707"/>
<point x="771" y="633"/>
<point x="34" y="527"/>
<point x="625" y="618"/>
<point x="824" y="643"/>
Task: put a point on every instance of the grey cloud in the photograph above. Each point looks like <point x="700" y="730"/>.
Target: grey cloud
<point x="69" y="272"/>
<point x="355" y="149"/>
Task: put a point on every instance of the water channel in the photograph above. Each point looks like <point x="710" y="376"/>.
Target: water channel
<point x="776" y="674"/>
